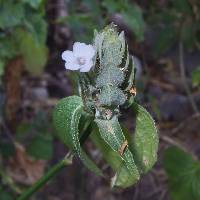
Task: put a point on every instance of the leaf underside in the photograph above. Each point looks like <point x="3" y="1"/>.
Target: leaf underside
<point x="66" y="119"/>
<point x="112" y="134"/>
<point x="145" y="140"/>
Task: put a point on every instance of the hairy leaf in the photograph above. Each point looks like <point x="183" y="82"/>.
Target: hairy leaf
<point x="66" y="120"/>
<point x="123" y="175"/>
<point x="112" y="134"/>
<point x="145" y="139"/>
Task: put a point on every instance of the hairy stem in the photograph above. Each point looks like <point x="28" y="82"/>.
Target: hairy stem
<point x="67" y="160"/>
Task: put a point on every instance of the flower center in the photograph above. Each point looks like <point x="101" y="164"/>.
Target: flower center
<point x="81" y="61"/>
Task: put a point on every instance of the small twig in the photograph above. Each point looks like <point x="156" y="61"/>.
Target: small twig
<point x="171" y="141"/>
<point x="154" y="192"/>
<point x="163" y="194"/>
<point x="184" y="123"/>
<point x="136" y="193"/>
<point x="163" y="85"/>
<point x="177" y="144"/>
<point x="183" y="77"/>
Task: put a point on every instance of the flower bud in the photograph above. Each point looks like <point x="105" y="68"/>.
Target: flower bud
<point x="108" y="86"/>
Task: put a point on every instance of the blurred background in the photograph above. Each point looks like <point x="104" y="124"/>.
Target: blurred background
<point x="163" y="36"/>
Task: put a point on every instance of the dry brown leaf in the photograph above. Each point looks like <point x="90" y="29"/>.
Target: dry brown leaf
<point x="12" y="78"/>
<point x="23" y="169"/>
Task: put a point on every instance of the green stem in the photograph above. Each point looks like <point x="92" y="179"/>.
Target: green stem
<point x="67" y="160"/>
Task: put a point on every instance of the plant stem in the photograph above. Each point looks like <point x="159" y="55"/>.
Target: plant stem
<point x="67" y="160"/>
<point x="184" y="79"/>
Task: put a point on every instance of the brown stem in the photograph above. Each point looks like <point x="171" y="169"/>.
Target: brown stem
<point x="12" y="77"/>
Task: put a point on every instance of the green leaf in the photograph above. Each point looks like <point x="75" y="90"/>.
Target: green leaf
<point x="112" y="134"/>
<point x="129" y="74"/>
<point x="112" y="6"/>
<point x="66" y="120"/>
<point x="84" y="122"/>
<point x="166" y="38"/>
<point x="82" y="25"/>
<point x="124" y="178"/>
<point x="33" y="52"/>
<point x="184" y="174"/>
<point x="37" y="26"/>
<point x="41" y="147"/>
<point x="22" y="131"/>
<point x="7" y="148"/>
<point x="182" y="6"/>
<point x="93" y="6"/>
<point x="33" y="3"/>
<point x="196" y="77"/>
<point x="2" y="65"/>
<point x="6" y="196"/>
<point x="144" y="143"/>
<point x="131" y="13"/>
<point x="8" y="49"/>
<point x="11" y="14"/>
<point x="134" y="19"/>
<point x="188" y="35"/>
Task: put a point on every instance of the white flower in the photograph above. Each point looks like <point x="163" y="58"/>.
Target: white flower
<point x="80" y="58"/>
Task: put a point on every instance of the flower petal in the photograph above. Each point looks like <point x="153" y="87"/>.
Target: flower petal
<point x="72" y="66"/>
<point x="68" y="56"/>
<point x="90" y="50"/>
<point x="83" y="50"/>
<point x="86" y="67"/>
<point x="77" y="46"/>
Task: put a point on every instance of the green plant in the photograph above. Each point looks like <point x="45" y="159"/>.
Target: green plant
<point x="183" y="173"/>
<point x="104" y="89"/>
<point x="196" y="77"/>
<point x="87" y="15"/>
<point x="176" y="20"/>
<point x="23" y="31"/>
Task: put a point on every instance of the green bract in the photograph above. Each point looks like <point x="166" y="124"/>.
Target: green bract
<point x="106" y="88"/>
